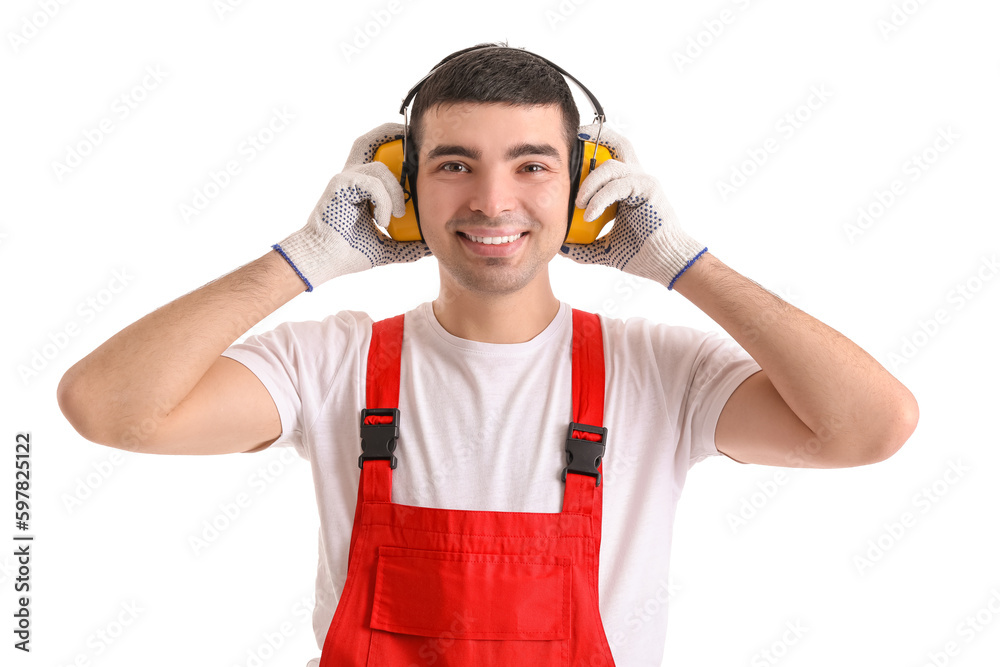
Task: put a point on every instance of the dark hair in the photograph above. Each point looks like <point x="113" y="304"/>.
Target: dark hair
<point x="495" y="73"/>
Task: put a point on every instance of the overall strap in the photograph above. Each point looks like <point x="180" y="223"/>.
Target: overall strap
<point x="379" y="431"/>
<point x="587" y="436"/>
<point x="380" y="419"/>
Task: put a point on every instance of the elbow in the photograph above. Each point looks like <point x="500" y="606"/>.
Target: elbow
<point x="71" y="396"/>
<point x="77" y="402"/>
<point x="898" y="422"/>
<point x="68" y="396"/>
<point x="98" y="415"/>
<point x="876" y="436"/>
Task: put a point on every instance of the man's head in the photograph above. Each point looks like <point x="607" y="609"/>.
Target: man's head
<point x="494" y="137"/>
<point x="494" y="73"/>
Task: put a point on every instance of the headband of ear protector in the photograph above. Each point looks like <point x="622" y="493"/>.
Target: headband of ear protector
<point x="584" y="158"/>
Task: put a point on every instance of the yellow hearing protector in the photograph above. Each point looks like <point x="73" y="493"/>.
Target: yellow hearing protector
<point x="583" y="160"/>
<point x="580" y="231"/>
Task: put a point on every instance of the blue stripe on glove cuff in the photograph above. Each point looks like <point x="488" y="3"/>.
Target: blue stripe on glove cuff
<point x="309" y="288"/>
<point x="686" y="267"/>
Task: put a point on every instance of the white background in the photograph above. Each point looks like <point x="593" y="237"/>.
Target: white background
<point x="112" y="530"/>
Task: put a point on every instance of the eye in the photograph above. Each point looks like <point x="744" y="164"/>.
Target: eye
<point x="534" y="168"/>
<point x="454" y="167"/>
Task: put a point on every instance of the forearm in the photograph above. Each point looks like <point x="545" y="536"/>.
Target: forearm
<point x="845" y="397"/>
<point x="149" y="367"/>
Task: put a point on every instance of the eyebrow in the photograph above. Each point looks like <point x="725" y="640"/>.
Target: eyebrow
<point x="522" y="150"/>
<point x="460" y="151"/>
<point x="514" y="152"/>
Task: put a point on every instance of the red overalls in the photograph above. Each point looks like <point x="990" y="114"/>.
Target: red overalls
<point x="442" y="587"/>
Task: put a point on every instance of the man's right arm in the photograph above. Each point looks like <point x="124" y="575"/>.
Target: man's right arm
<point x="161" y="385"/>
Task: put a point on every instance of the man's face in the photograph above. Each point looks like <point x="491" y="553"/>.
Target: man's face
<point x="493" y="187"/>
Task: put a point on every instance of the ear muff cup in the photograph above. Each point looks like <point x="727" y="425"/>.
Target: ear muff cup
<point x="575" y="165"/>
<point x="580" y="230"/>
<point x="410" y="185"/>
<point x="406" y="228"/>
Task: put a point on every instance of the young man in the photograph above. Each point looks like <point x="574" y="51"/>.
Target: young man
<point x="489" y="376"/>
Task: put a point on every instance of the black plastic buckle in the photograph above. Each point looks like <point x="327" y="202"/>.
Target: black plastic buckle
<point x="378" y="441"/>
<point x="584" y="456"/>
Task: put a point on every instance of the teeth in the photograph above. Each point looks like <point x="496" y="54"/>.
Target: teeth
<point x="493" y="240"/>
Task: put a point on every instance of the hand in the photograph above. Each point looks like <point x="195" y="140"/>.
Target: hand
<point x="341" y="236"/>
<point x="645" y="238"/>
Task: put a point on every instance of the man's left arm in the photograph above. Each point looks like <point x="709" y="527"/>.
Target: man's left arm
<point x="820" y="401"/>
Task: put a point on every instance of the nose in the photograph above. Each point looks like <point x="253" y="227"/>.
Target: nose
<point x="493" y="192"/>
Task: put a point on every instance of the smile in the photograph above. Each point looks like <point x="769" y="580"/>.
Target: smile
<point x="493" y="240"/>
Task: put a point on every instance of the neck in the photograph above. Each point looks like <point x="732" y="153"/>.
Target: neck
<point x="496" y="318"/>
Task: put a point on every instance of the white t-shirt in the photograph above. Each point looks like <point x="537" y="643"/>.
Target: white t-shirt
<point x="483" y="427"/>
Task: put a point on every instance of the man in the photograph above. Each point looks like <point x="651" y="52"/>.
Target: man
<point x="487" y="381"/>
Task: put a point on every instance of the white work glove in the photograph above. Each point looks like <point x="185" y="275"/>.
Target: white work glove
<point x="645" y="239"/>
<point x="340" y="236"/>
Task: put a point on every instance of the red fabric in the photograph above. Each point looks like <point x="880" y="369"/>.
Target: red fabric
<point x="383" y="363"/>
<point x="510" y="597"/>
<point x="381" y="390"/>
<point x="378" y="419"/>
<point x="588" y="369"/>
<point x="453" y="587"/>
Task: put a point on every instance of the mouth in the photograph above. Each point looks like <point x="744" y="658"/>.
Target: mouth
<point x="508" y="245"/>
<point x="492" y="240"/>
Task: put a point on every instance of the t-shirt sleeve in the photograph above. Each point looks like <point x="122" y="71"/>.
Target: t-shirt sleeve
<point x="720" y="367"/>
<point x="700" y="371"/>
<point x="298" y="363"/>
